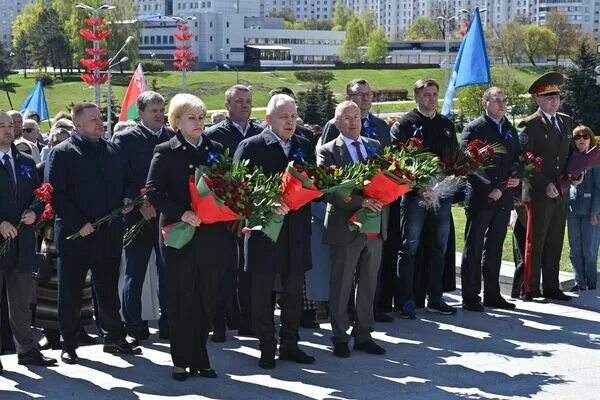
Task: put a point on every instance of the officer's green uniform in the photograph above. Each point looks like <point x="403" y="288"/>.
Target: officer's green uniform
<point x="546" y="216"/>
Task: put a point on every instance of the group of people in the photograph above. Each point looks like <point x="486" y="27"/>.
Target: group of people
<point x="219" y="280"/>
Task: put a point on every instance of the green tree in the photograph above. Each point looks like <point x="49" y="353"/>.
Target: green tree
<point x="22" y="28"/>
<point x="355" y="38"/>
<point x="49" y="42"/>
<point x="566" y="34"/>
<point x="377" y="47"/>
<point x="317" y="104"/>
<point x="318" y="24"/>
<point x="286" y="13"/>
<point x="581" y="95"/>
<point x="123" y="24"/>
<point x="509" y="39"/>
<point x="538" y="42"/>
<point x="423" y="28"/>
<point x="342" y="15"/>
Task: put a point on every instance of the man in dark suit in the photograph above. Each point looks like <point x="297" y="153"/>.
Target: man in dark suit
<point x="352" y="253"/>
<point x="488" y="205"/>
<point x="89" y="178"/>
<point x="547" y="134"/>
<point x="138" y="146"/>
<point x="18" y="180"/>
<point x="359" y="91"/>
<point x="230" y="132"/>
<point x="290" y="255"/>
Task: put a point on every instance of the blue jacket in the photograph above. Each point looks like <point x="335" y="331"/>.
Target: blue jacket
<point x="585" y="198"/>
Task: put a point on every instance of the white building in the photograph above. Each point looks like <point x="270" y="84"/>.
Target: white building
<point x="10" y="10"/>
<point x="303" y="9"/>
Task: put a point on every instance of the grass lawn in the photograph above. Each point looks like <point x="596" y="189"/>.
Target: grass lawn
<point x="210" y="86"/>
<point x="507" y="254"/>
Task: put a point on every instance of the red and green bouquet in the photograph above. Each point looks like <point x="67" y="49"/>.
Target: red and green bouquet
<point x="472" y="160"/>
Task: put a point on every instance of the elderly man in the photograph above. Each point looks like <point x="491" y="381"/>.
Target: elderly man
<point x="28" y="142"/>
<point x="290" y="255"/>
<point x="547" y="134"/>
<point x="352" y="253"/>
<point x="488" y="205"/>
<point x="17" y="120"/>
<point x="235" y="286"/>
<point x="89" y="178"/>
<point x="138" y="145"/>
<point x="18" y="180"/>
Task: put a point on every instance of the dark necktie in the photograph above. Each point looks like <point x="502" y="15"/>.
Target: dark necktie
<point x="358" y="152"/>
<point x="9" y="169"/>
<point x="553" y="120"/>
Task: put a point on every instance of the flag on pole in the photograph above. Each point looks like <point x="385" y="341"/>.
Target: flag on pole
<point x="472" y="66"/>
<point x="137" y="85"/>
<point x="36" y="101"/>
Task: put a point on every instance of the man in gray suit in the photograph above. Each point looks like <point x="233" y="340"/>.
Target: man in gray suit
<point x="351" y="251"/>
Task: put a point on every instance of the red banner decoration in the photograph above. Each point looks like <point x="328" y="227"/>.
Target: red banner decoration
<point x="183" y="65"/>
<point x="94" y="35"/>
<point x="183" y="55"/>
<point x="93" y="52"/>
<point x="183" y="27"/>
<point x="94" y="21"/>
<point x="91" y="79"/>
<point x="182" y="36"/>
<point x="92" y="64"/>
<point x="185" y="48"/>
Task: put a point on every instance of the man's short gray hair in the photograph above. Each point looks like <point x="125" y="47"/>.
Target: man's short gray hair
<point x="32" y="122"/>
<point x="149" y="97"/>
<point x="277" y="100"/>
<point x="342" y="106"/>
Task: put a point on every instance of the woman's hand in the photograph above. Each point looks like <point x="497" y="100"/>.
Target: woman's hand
<point x="191" y="218"/>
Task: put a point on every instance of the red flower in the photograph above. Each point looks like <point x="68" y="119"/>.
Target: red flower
<point x="417" y="143"/>
<point x="537" y="164"/>
<point x="48" y="214"/>
<point x="44" y="192"/>
<point x="530" y="156"/>
<point x="490" y="151"/>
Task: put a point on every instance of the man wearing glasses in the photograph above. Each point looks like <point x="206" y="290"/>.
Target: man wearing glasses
<point x="547" y="134"/>
<point x="488" y="205"/>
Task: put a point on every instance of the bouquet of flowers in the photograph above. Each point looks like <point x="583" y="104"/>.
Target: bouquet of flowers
<point x="267" y="192"/>
<point x="137" y="228"/>
<point x="524" y="167"/>
<point x="43" y="194"/>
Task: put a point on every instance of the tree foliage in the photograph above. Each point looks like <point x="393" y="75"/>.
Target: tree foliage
<point x="317" y="104"/>
<point x="566" y="34"/>
<point x="423" y="28"/>
<point x="509" y="39"/>
<point x="355" y="37"/>
<point x="286" y="13"/>
<point x="377" y="47"/>
<point x="538" y="42"/>
<point x="315" y="76"/>
<point x="581" y="95"/>
<point x="342" y="15"/>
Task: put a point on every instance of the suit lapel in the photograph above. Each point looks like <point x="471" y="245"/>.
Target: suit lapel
<point x="341" y="153"/>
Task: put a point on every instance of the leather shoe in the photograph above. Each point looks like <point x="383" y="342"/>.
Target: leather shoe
<point x="474" y="306"/>
<point x="69" y="356"/>
<point x="120" y="346"/>
<point x="296" y="355"/>
<point x="381" y="317"/>
<point x="267" y="359"/>
<point x="341" y="350"/>
<point x="535" y="297"/>
<point x="84" y="338"/>
<point x="47" y="344"/>
<point x="35" y="357"/>
<point x="218" y="336"/>
<point x="499" y="303"/>
<point x="179" y="376"/>
<point x="369" y="347"/>
<point x="204" y="373"/>
<point x="556" y="295"/>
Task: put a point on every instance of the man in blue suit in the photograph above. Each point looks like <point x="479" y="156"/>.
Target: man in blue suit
<point x="89" y="178"/>
<point x="18" y="180"/>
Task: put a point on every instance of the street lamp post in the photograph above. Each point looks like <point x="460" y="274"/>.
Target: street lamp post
<point x="237" y="72"/>
<point x="183" y="22"/>
<point x="446" y="22"/>
<point x="109" y="96"/>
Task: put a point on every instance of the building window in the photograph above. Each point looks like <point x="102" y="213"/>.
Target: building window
<point x="210" y="40"/>
<point x="227" y="40"/>
<point x="158" y="40"/>
<point x="227" y="24"/>
<point x="151" y="39"/>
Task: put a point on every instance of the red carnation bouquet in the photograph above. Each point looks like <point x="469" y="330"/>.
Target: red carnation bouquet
<point x="471" y="161"/>
<point x="43" y="194"/>
<point x="524" y="168"/>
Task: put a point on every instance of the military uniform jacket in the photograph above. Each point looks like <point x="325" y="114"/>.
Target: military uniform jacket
<point x="90" y="180"/>
<point x="229" y="135"/>
<point x="537" y="135"/>
<point x="291" y="252"/>
<point x="484" y="128"/>
<point x="21" y="252"/>
<point x="372" y="127"/>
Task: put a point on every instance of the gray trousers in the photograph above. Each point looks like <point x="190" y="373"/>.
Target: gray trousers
<point x="19" y="287"/>
<point x="363" y="261"/>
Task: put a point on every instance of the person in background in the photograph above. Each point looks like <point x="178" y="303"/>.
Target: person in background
<point x="217" y="117"/>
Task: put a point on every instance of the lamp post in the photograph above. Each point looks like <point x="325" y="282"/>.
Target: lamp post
<point x="108" y="95"/>
<point x="232" y="69"/>
<point x="183" y="53"/>
<point x="446" y="23"/>
<point x="10" y="55"/>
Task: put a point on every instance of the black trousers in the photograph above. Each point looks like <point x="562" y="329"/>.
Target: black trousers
<point x="244" y="289"/>
<point x="191" y="298"/>
<point x="71" y="277"/>
<point x="291" y="308"/>
<point x="485" y="231"/>
<point x="518" y="244"/>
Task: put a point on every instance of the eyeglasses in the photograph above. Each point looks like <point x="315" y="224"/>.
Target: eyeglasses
<point x="28" y="130"/>
<point x="499" y="100"/>
<point x="585" y="136"/>
<point x="363" y="95"/>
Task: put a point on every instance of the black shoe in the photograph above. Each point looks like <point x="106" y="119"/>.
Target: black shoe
<point x="246" y="332"/>
<point x="499" y="303"/>
<point x="46" y="343"/>
<point x="35" y="357"/>
<point x="179" y="376"/>
<point x="1" y="368"/>
<point x="120" y="346"/>
<point x="474" y="306"/>
<point x="556" y="294"/>
<point x="267" y="359"/>
<point x="69" y="356"/>
<point x="218" y="336"/>
<point x="296" y="355"/>
<point x="535" y="297"/>
<point x="577" y="288"/>
<point x="341" y="350"/>
<point x="144" y="332"/>
<point x="369" y="347"/>
<point x="203" y="372"/>
<point x="133" y="341"/>
<point x="381" y="317"/>
<point x="84" y="338"/>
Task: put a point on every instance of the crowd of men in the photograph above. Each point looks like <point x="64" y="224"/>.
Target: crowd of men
<point x="92" y="176"/>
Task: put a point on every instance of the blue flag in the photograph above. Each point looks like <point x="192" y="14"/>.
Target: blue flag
<point x="472" y="66"/>
<point x="36" y="101"/>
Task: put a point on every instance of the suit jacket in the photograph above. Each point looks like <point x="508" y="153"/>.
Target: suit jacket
<point x="13" y="202"/>
<point x="378" y="130"/>
<point x="538" y="136"/>
<point x="90" y="180"/>
<point x="291" y="252"/>
<point x="168" y="190"/>
<point x="137" y="144"/>
<point x="485" y="129"/>
<point x="229" y="136"/>
<point x="337" y="231"/>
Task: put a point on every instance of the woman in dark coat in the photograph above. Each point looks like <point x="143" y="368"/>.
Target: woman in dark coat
<point x="192" y="270"/>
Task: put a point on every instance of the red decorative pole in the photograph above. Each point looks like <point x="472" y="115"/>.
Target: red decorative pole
<point x="95" y="64"/>
<point x="183" y="54"/>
